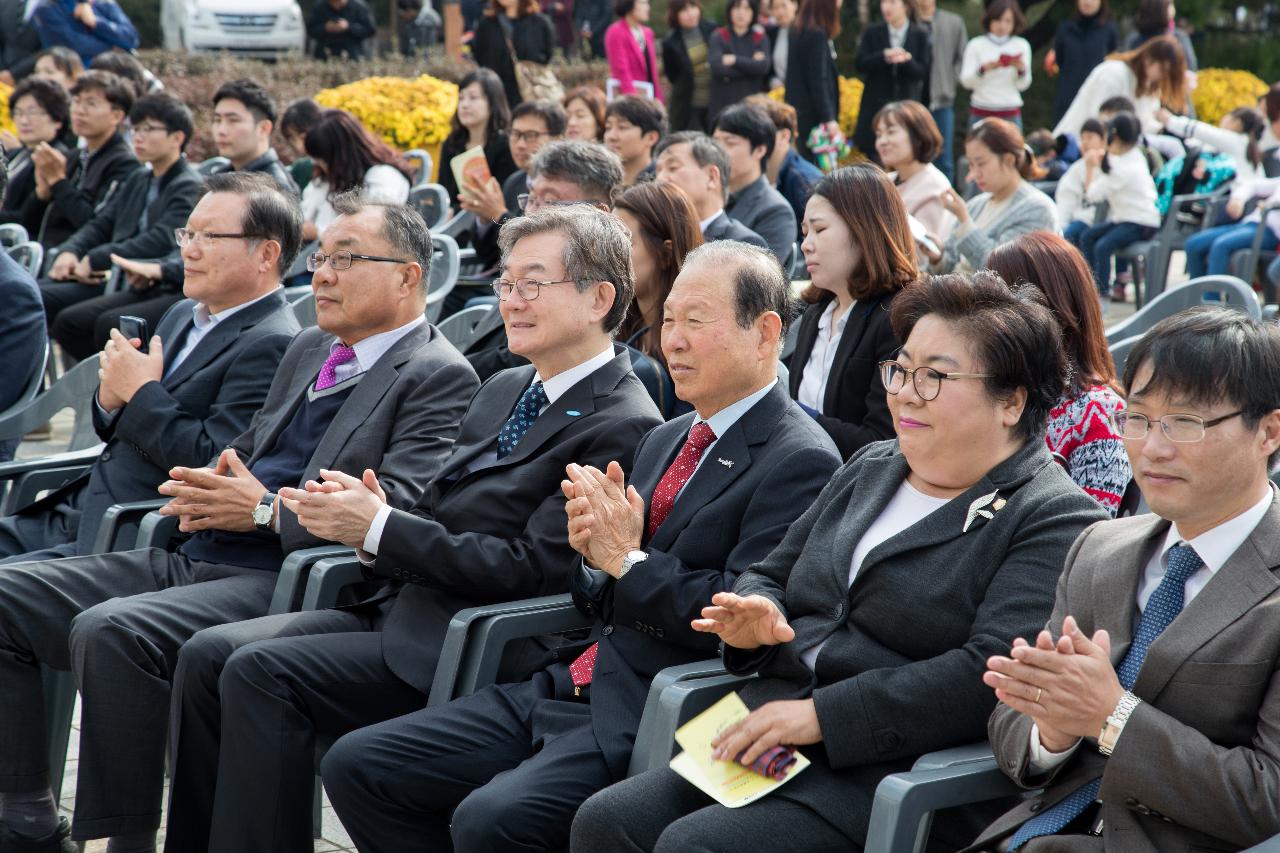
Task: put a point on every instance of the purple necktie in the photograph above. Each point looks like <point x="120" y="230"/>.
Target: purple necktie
<point x="328" y="373"/>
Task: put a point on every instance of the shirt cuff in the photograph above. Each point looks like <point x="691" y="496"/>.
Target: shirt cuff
<point x="374" y="537"/>
<point x="1042" y="760"/>
<point x="108" y="418"/>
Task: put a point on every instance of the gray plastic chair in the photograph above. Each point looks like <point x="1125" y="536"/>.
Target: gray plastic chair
<point x="460" y="328"/>
<point x="446" y="265"/>
<point x="11" y="234"/>
<point x="420" y="160"/>
<point x="75" y="391"/>
<point x="1245" y="262"/>
<point x="1224" y="290"/>
<point x="30" y="254"/>
<point x="303" y="306"/>
<point x="432" y="201"/>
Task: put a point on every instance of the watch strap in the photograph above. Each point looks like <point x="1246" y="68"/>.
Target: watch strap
<point x="1115" y="723"/>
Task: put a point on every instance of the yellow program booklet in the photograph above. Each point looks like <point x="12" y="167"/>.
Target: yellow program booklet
<point x="727" y="782"/>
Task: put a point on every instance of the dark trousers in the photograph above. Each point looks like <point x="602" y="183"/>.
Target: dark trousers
<point x="1099" y="242"/>
<point x="82" y="329"/>
<point x="44" y="532"/>
<point x="504" y="769"/>
<point x="660" y="811"/>
<point x="116" y="620"/>
<point x="252" y="702"/>
<point x="61" y="295"/>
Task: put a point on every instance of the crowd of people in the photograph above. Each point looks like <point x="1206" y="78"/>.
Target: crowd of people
<point x="739" y="407"/>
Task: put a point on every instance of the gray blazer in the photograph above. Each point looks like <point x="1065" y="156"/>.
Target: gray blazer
<point x="906" y="644"/>
<point x="948" y="36"/>
<point x="764" y="210"/>
<point x="400" y="420"/>
<point x="1198" y="765"/>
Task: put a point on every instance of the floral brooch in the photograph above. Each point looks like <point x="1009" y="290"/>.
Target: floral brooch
<point x="977" y="509"/>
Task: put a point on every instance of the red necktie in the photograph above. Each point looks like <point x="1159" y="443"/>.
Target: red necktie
<point x="664" y="497"/>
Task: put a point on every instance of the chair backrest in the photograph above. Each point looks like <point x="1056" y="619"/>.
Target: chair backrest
<point x="459" y="329"/>
<point x="303" y="305"/>
<point x="1120" y="352"/>
<point x="421" y="161"/>
<point x="432" y="201"/>
<point x="299" y="266"/>
<point x="655" y="379"/>
<point x="446" y="263"/>
<point x="11" y="234"/>
<point x="211" y="165"/>
<point x="1224" y="290"/>
<point x="31" y="255"/>
<point x="75" y="391"/>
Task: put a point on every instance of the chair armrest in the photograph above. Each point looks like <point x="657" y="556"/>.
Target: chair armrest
<point x="903" y="809"/>
<point x="26" y="486"/>
<point x="155" y="530"/>
<point x="116" y="521"/>
<point x="71" y="459"/>
<point x="473" y="644"/>
<point x="973" y="753"/>
<point x="329" y="576"/>
<point x="1271" y="845"/>
<point x="676" y="695"/>
<point x="292" y="572"/>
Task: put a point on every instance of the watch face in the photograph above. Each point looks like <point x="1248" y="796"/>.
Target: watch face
<point x="262" y="514"/>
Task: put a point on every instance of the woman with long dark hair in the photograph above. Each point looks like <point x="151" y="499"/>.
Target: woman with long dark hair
<point x="859" y="253"/>
<point x="512" y="31"/>
<point x="1080" y="434"/>
<point x="346" y="156"/>
<point x="481" y="120"/>
<point x="812" y="83"/>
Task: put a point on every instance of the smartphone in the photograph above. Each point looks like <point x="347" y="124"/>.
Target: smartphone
<point x="136" y="327"/>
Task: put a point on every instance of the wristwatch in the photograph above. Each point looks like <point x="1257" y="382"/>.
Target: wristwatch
<point x="264" y="513"/>
<point x="1115" y="723"/>
<point x="630" y="560"/>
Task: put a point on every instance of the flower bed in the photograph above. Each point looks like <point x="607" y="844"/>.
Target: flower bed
<point x="1220" y="90"/>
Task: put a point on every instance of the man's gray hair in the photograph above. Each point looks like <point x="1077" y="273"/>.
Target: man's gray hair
<point x="760" y="285"/>
<point x="594" y="168"/>
<point x="705" y="151"/>
<point x="402" y="227"/>
<point x="597" y="248"/>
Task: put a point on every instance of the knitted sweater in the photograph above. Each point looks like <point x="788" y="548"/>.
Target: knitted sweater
<point x="1081" y="436"/>
<point x="1026" y="210"/>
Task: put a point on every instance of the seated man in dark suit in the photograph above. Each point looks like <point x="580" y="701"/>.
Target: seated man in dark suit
<point x="698" y="164"/>
<point x="137" y="221"/>
<point x="207" y="373"/>
<point x="788" y="172"/>
<point x="22" y="332"/>
<point x="489" y="529"/>
<point x="566" y="172"/>
<point x="703" y="506"/>
<point x="243" y="118"/>
<point x="748" y="135"/>
<point x="374" y="386"/>
<point x="1147" y="708"/>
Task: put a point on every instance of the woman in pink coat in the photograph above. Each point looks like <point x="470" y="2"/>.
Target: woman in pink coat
<point x="628" y="45"/>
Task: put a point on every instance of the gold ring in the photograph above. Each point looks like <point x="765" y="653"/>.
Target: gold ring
<point x="1039" y="691"/>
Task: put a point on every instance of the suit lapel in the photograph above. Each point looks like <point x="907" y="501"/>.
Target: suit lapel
<point x="711" y="478"/>
<point x="219" y="338"/>
<point x="579" y="399"/>
<point x="1247" y="578"/>
<point x="806" y="339"/>
<point x="855" y="327"/>
<point x="1114" y="586"/>
<point x="309" y="364"/>
<point x="481" y="435"/>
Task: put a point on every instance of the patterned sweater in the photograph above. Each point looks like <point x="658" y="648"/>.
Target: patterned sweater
<point x="1081" y="436"/>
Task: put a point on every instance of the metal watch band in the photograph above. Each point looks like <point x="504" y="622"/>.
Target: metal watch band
<point x="1115" y="723"/>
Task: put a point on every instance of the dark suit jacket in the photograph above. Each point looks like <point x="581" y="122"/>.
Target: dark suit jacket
<point x="813" y="86"/>
<point x="116" y="227"/>
<point x="489" y="531"/>
<point x="19" y="40"/>
<point x="856" y="412"/>
<point x="400" y="420"/>
<point x="488" y="351"/>
<point x="22" y="337"/>
<point x="883" y="82"/>
<point x="906" y="644"/>
<point x="746" y="76"/>
<point x="724" y="227"/>
<point x="1198" y="763"/>
<point x="726" y="520"/>
<point x="184" y="419"/>
<point x="763" y="210"/>
<point x="269" y="164"/>
<point x="90" y="182"/>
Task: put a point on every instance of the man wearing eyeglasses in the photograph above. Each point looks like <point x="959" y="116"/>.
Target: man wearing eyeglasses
<point x="1147" y="708"/>
<point x="137" y="221"/>
<point x="490" y="528"/>
<point x="375" y="387"/>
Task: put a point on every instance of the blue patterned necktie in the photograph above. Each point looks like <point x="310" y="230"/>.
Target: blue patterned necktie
<point x="1162" y="608"/>
<point x="531" y="403"/>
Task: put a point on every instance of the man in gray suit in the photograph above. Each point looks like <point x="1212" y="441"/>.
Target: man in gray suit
<point x="748" y="135"/>
<point x="698" y="164"/>
<point x="1150" y="720"/>
<point x="206" y="372"/>
<point x="375" y="387"/>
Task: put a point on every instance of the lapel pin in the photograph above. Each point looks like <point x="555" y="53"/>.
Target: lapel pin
<point x="573" y="413"/>
<point x="728" y="463"/>
<point x="976" y="510"/>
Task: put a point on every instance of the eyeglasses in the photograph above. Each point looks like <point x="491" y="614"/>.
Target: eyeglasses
<point x="31" y="113"/>
<point x="1184" y="429"/>
<point x="528" y="288"/>
<point x="529" y="135"/>
<point x="150" y="128"/>
<point x="186" y="237"/>
<point x="926" y="380"/>
<point x="341" y="260"/>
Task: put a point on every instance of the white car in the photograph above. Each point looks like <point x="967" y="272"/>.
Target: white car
<point x="257" y="28"/>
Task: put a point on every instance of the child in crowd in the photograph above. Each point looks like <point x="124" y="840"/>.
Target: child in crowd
<point x="1049" y="153"/>
<point x="1238" y="135"/>
<point x="1075" y="213"/>
<point x="1120" y="177"/>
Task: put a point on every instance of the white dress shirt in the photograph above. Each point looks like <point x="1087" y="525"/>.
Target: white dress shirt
<point x="554" y="387"/>
<point x="817" y="370"/>
<point x="1214" y="547"/>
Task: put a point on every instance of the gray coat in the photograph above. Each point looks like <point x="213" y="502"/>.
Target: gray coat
<point x="948" y="36"/>
<point x="901" y="672"/>
<point x="1197" y="767"/>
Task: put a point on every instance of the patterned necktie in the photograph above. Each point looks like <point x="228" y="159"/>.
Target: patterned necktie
<point x="328" y="372"/>
<point x="1162" y="608"/>
<point x="664" y="497"/>
<point x="526" y="412"/>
